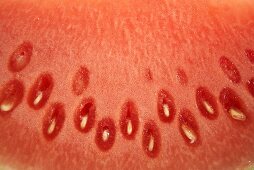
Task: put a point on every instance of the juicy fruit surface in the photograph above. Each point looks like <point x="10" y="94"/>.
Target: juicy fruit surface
<point x="130" y="50"/>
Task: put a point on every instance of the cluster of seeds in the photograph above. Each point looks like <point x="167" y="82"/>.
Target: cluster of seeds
<point x="12" y="94"/>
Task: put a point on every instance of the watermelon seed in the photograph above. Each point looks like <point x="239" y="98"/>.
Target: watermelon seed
<point x="83" y="121"/>
<point x="233" y="105"/>
<point x="151" y="144"/>
<point x="7" y="106"/>
<point x="105" y="134"/>
<point x="208" y="107"/>
<point x="151" y="139"/>
<point x="188" y="127"/>
<point x="84" y="117"/>
<point x="11" y="95"/>
<point x="129" y="120"/>
<point x="38" y="98"/>
<point x="53" y="121"/>
<point x="129" y="127"/>
<point x="229" y="69"/>
<point x="20" y="58"/>
<point x="206" y="103"/>
<point x="40" y="91"/>
<point x="80" y="80"/>
<point x="165" y="106"/>
<point x="189" y="133"/>
<point x="237" y="114"/>
<point x="52" y="126"/>
<point x="166" y="110"/>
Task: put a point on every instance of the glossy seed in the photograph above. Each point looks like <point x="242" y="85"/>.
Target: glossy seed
<point x="83" y="121"/>
<point x="84" y="117"/>
<point x="206" y="103"/>
<point x="151" y="139"/>
<point x="129" y="127"/>
<point x="129" y="121"/>
<point x="53" y="121"/>
<point x="166" y="110"/>
<point x="11" y="95"/>
<point x="52" y="126"/>
<point x="208" y="107"/>
<point x="105" y="135"/>
<point x="237" y="114"/>
<point x="165" y="106"/>
<point x="189" y="133"/>
<point x="40" y="91"/>
<point x="151" y="144"/>
<point x="6" y="106"/>
<point x="234" y="106"/>
<point x="38" y="98"/>
<point x="189" y="128"/>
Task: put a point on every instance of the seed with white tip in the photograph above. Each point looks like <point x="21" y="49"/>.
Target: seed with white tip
<point x="38" y="98"/>
<point x="129" y="127"/>
<point x="151" y="144"/>
<point x="208" y="107"/>
<point x="166" y="110"/>
<point x="237" y="114"/>
<point x="6" y="106"/>
<point x="105" y="135"/>
<point x="52" y="126"/>
<point x="83" y="121"/>
<point x="20" y="59"/>
<point x="189" y="133"/>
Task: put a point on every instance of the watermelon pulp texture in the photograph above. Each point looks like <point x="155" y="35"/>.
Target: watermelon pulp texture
<point x="126" y="84"/>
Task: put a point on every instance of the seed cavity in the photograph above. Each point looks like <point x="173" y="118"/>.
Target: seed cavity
<point x="40" y="91"/>
<point x="206" y="103"/>
<point x="80" y="81"/>
<point x="151" y="139"/>
<point x="189" y="128"/>
<point x="53" y="121"/>
<point x="233" y="105"/>
<point x="105" y="134"/>
<point x="20" y="58"/>
<point x="148" y="75"/>
<point x="229" y="69"/>
<point x="250" y="55"/>
<point x="181" y="76"/>
<point x="84" y="116"/>
<point x="250" y="86"/>
<point x="11" y="95"/>
<point x="129" y="120"/>
<point x="165" y="106"/>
